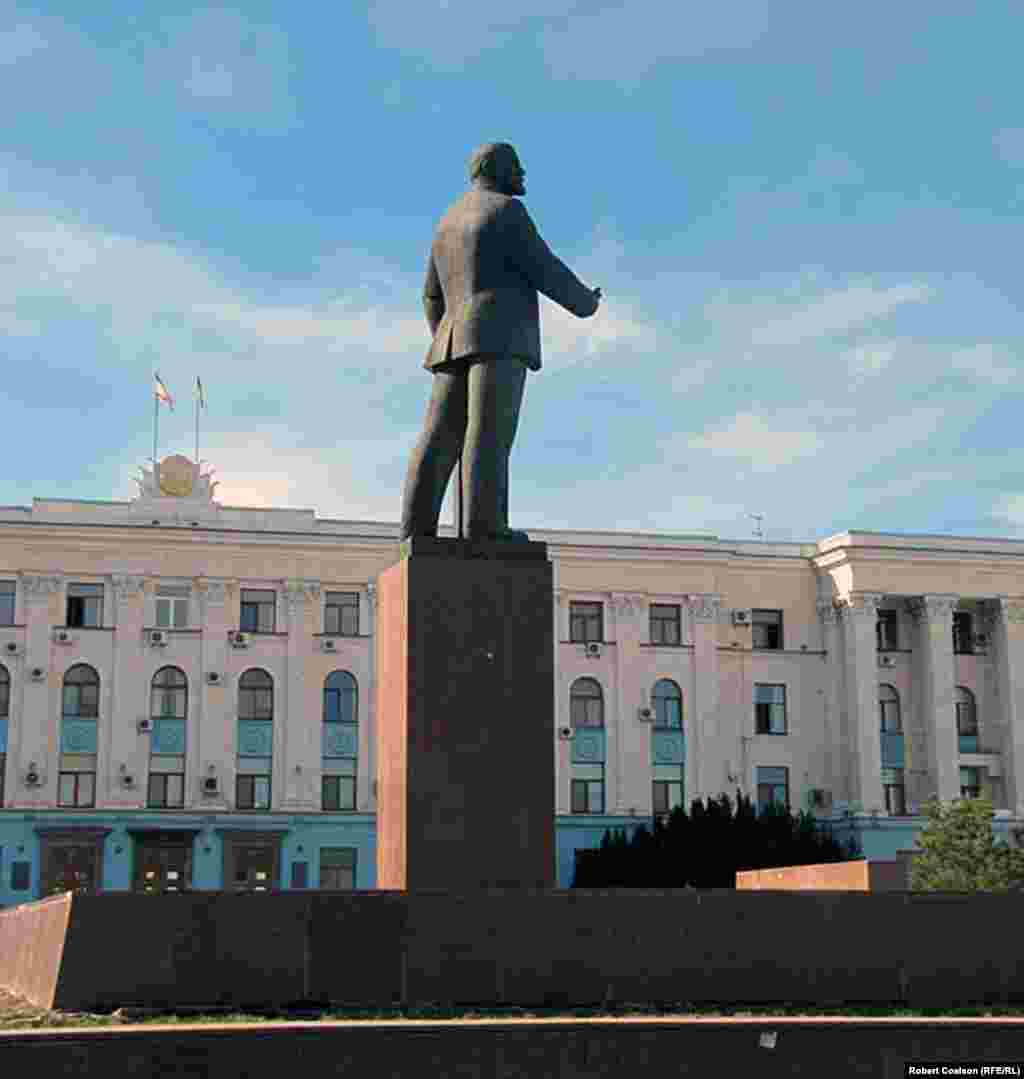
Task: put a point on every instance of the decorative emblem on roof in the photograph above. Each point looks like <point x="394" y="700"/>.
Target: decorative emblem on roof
<point x="177" y="476"/>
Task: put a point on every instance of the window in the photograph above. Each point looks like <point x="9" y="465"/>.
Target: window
<point x="341" y="614"/>
<point x="895" y="793"/>
<point x="70" y="864"/>
<point x="5" y="708"/>
<point x="168" y="709"/>
<point x="665" y="623"/>
<point x="255" y="740"/>
<point x="966" y="720"/>
<point x="337" y="869"/>
<point x="80" y="703"/>
<point x="668" y="704"/>
<point x="963" y="633"/>
<point x="172" y="606"/>
<point x="889" y="710"/>
<point x="970" y="782"/>
<point x="85" y="605"/>
<point x="257" y="611"/>
<point x="586" y="712"/>
<point x="887" y="631"/>
<point x="772" y="787"/>
<point x="766" y="629"/>
<point x="7" y="594"/>
<point x="769" y="709"/>
<point x="340" y="742"/>
<point x="668" y="788"/>
<point x="586" y="703"/>
<point x="585" y="622"/>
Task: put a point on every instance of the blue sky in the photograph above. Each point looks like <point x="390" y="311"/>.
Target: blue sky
<point x="806" y="219"/>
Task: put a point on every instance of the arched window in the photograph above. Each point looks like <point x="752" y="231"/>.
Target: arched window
<point x="80" y="709"/>
<point x="667" y="747"/>
<point x="586" y="711"/>
<point x="889" y="710"/>
<point x="340" y="741"/>
<point x="668" y="704"/>
<point x="586" y="703"/>
<point x="5" y="708"/>
<point x="168" y="709"/>
<point x="255" y="739"/>
<point x="966" y="720"/>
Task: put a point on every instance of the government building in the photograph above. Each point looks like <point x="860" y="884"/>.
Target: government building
<point x="187" y="689"/>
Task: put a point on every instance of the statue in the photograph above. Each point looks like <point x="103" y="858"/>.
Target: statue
<point x="487" y="264"/>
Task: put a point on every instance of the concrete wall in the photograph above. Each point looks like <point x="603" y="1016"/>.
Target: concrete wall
<point x="859" y="876"/>
<point x="502" y="1050"/>
<point x="31" y="946"/>
<point x="553" y="949"/>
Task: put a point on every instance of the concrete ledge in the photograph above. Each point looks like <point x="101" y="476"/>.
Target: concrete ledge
<point x="549" y="1048"/>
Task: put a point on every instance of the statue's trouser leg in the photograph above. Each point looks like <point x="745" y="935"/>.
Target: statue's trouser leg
<point x="496" y="385"/>
<point x="436" y="452"/>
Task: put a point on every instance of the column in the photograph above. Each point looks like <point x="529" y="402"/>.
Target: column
<point x="835" y="776"/>
<point x="631" y="738"/>
<point x="366" y="781"/>
<point x="126" y="699"/>
<point x="34" y="731"/>
<point x="1008" y="641"/>
<point x="863" y="727"/>
<point x="934" y="617"/>
<point x="297" y="726"/>
<point x="700" y="723"/>
<point x="214" y="734"/>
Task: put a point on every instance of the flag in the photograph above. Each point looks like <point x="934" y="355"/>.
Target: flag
<point x="161" y="392"/>
<point x="200" y="395"/>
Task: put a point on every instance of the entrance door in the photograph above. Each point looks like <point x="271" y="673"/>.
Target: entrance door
<point x="162" y="865"/>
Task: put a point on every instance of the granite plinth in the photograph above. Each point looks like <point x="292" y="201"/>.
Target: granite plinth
<point x="465" y="717"/>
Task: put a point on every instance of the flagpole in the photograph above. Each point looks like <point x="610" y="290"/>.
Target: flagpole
<point x="156" y="424"/>
<point x="197" y="424"/>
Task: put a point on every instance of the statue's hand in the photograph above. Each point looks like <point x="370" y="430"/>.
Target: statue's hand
<point x="597" y="298"/>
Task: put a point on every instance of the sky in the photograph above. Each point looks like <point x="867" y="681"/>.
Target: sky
<point x="806" y="220"/>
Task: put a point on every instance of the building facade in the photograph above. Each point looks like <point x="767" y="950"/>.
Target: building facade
<point x="187" y="690"/>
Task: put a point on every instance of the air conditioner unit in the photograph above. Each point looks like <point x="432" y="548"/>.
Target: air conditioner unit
<point x="981" y="640"/>
<point x="886" y="661"/>
<point x="817" y="797"/>
<point x="645" y="715"/>
<point x="157" y="638"/>
<point x="741" y="617"/>
<point x="212" y="678"/>
<point x="61" y="636"/>
<point x="32" y="777"/>
<point x="239" y="639"/>
<point x="12" y="648"/>
<point x="565" y="733"/>
<point x="37" y="674"/>
<point x="127" y="780"/>
<point x="328" y="644"/>
<point x="144" y="726"/>
<point x="592" y="648"/>
<point x="211" y="785"/>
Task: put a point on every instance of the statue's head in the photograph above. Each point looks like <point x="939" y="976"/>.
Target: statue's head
<point x="495" y="165"/>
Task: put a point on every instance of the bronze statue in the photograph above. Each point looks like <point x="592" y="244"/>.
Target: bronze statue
<point x="487" y="264"/>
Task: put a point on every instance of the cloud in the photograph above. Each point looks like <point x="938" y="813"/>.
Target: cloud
<point x="986" y="362"/>
<point x="20" y="42"/>
<point x="751" y="438"/>
<point x="837" y="312"/>
<point x="1009" y="144"/>
<point x="237" y="69"/>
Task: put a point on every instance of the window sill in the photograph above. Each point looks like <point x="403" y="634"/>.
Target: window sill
<point x="345" y="636"/>
<point x="170" y="629"/>
<point x="674" y="647"/>
<point x="603" y="644"/>
<point x="88" y="629"/>
<point x="771" y="734"/>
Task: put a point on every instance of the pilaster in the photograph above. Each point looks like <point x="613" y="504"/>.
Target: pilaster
<point x="701" y="725"/>
<point x="860" y="678"/>
<point x="294" y="729"/>
<point x="217" y="734"/>
<point x="632" y="785"/>
<point x="562" y="746"/>
<point x="934" y="617"/>
<point x="835" y="772"/>
<point x="34" y="734"/>
<point x="1008" y="639"/>
<point x="127" y="699"/>
<point x="366" y="781"/>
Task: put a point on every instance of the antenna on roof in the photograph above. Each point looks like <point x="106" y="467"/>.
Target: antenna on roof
<point x="757" y="518"/>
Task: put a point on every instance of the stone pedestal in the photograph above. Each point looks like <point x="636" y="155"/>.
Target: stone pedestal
<point x="465" y="717"/>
